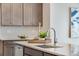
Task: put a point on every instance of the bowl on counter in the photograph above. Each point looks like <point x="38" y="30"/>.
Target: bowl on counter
<point x="21" y="37"/>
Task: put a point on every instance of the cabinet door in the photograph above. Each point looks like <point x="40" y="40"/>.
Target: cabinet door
<point x="11" y="14"/>
<point x="27" y="14"/>
<point x="47" y="54"/>
<point x="8" y="50"/>
<point x="36" y="13"/>
<point x="1" y="48"/>
<point x="32" y="13"/>
<point x="32" y="52"/>
<point x="16" y="13"/>
<point x="6" y="14"/>
<point x="0" y="14"/>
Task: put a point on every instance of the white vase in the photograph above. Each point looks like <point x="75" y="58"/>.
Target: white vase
<point x="41" y="38"/>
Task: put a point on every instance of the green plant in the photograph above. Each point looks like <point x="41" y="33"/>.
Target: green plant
<point x="42" y="34"/>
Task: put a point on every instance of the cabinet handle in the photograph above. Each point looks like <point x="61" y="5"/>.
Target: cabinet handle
<point x="19" y="48"/>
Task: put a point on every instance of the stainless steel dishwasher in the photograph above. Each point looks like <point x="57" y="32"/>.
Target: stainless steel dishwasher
<point x="18" y="50"/>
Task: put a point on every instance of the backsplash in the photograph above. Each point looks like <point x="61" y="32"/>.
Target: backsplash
<point x="13" y="32"/>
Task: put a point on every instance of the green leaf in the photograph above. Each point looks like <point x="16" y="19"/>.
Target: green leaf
<point x="42" y="34"/>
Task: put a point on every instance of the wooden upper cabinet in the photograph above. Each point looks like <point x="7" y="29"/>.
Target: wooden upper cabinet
<point x="0" y="14"/>
<point x="21" y="14"/>
<point x="32" y="13"/>
<point x="36" y="13"/>
<point x="27" y="14"/>
<point x="16" y="14"/>
<point x="6" y="14"/>
<point x="11" y="14"/>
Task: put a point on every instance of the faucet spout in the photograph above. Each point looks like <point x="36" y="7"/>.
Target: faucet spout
<point x="55" y="40"/>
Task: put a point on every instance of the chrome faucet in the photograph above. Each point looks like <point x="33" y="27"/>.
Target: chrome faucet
<point x="55" y="40"/>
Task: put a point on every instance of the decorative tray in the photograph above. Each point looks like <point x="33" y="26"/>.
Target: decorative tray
<point x="38" y="41"/>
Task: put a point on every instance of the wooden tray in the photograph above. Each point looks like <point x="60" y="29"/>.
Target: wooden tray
<point x="38" y="41"/>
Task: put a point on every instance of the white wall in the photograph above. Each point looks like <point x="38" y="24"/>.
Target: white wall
<point x="59" y="19"/>
<point x="11" y="32"/>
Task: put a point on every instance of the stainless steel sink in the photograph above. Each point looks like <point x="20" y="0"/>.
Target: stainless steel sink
<point x="48" y="46"/>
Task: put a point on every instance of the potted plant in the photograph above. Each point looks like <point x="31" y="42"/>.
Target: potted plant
<point x="42" y="35"/>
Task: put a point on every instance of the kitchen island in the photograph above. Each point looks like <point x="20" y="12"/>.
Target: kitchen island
<point x="65" y="50"/>
<point x="33" y="49"/>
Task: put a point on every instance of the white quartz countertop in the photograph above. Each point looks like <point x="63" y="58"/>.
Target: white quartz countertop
<point x="64" y="50"/>
<point x="14" y="39"/>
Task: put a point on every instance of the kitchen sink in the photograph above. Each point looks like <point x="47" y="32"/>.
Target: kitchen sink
<point x="48" y="46"/>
